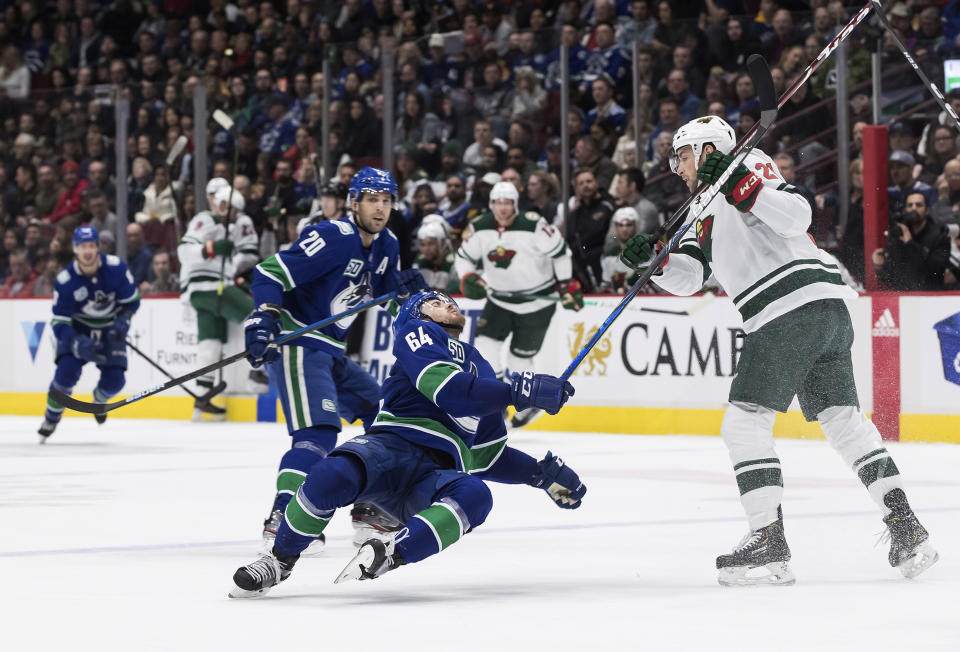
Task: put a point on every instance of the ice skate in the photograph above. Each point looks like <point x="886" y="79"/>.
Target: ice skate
<point x="46" y="429"/>
<point x="370" y="522"/>
<point x="910" y="549"/>
<point x="100" y="418"/>
<point x="256" y="579"/>
<point x="374" y="558"/>
<point x="257" y="382"/>
<point x="765" y="548"/>
<point x="270" y="526"/>
<point x="523" y="417"/>
<point x="204" y="410"/>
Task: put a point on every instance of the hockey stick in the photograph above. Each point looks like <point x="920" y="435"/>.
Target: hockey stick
<point x="933" y="88"/>
<point x="226" y="123"/>
<point x="101" y="408"/>
<point x="166" y="373"/>
<point x="695" y="308"/>
<point x="178" y="146"/>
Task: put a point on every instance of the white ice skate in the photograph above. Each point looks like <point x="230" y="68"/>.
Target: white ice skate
<point x="374" y="558"/>
<point x="371" y="522"/>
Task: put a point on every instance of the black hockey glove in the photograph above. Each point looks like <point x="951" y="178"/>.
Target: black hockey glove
<point x="560" y="482"/>
<point x="542" y="391"/>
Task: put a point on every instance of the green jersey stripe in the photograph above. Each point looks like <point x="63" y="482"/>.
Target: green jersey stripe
<point x="130" y="299"/>
<point x="431" y="427"/>
<point x="790" y="283"/>
<point x="289" y="480"/>
<point x="288" y="324"/>
<point x="782" y="268"/>
<point x="486" y="454"/>
<point x="273" y="269"/>
<point x="293" y="377"/>
<point x="434" y="376"/>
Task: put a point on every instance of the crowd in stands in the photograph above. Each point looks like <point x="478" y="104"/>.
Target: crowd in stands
<point x="476" y="100"/>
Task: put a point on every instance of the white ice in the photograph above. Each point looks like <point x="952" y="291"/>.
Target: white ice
<point x="125" y="537"/>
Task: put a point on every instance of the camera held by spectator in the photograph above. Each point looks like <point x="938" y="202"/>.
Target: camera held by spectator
<point x="917" y="250"/>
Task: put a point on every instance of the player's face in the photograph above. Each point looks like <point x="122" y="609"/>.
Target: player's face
<point x="504" y="210"/>
<point x="373" y="210"/>
<point x="686" y="167"/>
<point x="446" y="313"/>
<point x="429" y="248"/>
<point x="87" y="252"/>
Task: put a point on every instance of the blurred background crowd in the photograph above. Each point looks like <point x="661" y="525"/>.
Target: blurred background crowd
<point x="476" y="99"/>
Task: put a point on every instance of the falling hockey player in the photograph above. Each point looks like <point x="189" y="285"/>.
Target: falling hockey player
<point x="752" y="238"/>
<point x="93" y="301"/>
<point x="332" y="267"/>
<point x="518" y="262"/>
<point x="439" y="434"/>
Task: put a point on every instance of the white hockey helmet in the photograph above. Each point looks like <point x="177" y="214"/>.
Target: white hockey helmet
<point x="697" y="133"/>
<point x="438" y="220"/>
<point x="224" y="195"/>
<point x="216" y="184"/>
<point x="504" y="190"/>
<point x="626" y="214"/>
<point x="434" y="230"/>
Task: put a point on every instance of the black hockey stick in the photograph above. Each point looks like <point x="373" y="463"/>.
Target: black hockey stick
<point x="216" y="389"/>
<point x="933" y="88"/>
<point x="101" y="408"/>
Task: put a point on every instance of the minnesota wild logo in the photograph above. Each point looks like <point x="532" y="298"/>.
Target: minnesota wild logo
<point x="704" y="230"/>
<point x="501" y="257"/>
<point x="705" y="120"/>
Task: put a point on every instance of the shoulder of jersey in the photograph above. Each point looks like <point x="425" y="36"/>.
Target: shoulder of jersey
<point x="483" y="221"/>
<point x="113" y="261"/>
<point x="527" y="221"/>
<point x="64" y="276"/>
<point x="332" y="228"/>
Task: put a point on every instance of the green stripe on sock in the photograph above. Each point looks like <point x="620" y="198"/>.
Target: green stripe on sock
<point x="53" y="405"/>
<point x="881" y="468"/>
<point x="868" y="456"/>
<point x="757" y="478"/>
<point x="767" y="460"/>
<point x="444" y="523"/>
<point x="289" y="481"/>
<point x="293" y="369"/>
<point x="303" y="521"/>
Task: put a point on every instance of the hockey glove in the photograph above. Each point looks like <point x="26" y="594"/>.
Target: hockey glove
<point x="740" y="189"/>
<point x="639" y="250"/>
<point x="542" y="391"/>
<point x="260" y="329"/>
<point x="410" y="281"/>
<point x="214" y="248"/>
<point x="472" y="288"/>
<point x="571" y="294"/>
<point x="83" y="348"/>
<point x="560" y="482"/>
<point x="120" y="327"/>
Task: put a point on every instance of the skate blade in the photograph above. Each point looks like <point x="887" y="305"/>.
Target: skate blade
<point x="778" y="573"/>
<point x="923" y="558"/>
<point x="200" y="416"/>
<point x="354" y="568"/>
<point x="242" y="594"/>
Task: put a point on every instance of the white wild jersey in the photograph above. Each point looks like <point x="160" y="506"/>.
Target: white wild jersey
<point x="203" y="274"/>
<point x="526" y="258"/>
<point x="764" y="260"/>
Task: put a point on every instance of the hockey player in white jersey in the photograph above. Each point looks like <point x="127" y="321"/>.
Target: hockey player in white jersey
<point x="753" y="238"/>
<point x="201" y="252"/>
<point x="518" y="262"/>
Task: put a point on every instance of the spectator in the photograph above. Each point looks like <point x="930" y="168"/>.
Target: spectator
<point x="734" y="46"/>
<point x="141" y="173"/>
<point x="11" y="243"/>
<point x="165" y="281"/>
<point x="664" y="188"/>
<point x="615" y="273"/>
<point x="482" y="137"/>
<point x="543" y="191"/>
<point x="280" y="130"/>
<point x="629" y="192"/>
<point x="947" y="208"/>
<point x="639" y="26"/>
<point x="917" y="250"/>
<point x="101" y="217"/>
<point x="576" y="58"/>
<point x="494" y="99"/>
<point x="678" y="88"/>
<point x="138" y="255"/>
<point x="98" y="180"/>
<point x="783" y="35"/>
<point x="606" y="107"/>
<point x="69" y="202"/>
<point x="851" y="239"/>
<point x="46" y="281"/>
<point x="159" y="202"/>
<point x="417" y="125"/>
<point x="588" y="155"/>
<point x="14" y="74"/>
<point x="902" y="182"/>
<point x="529" y="98"/>
<point x="22" y="277"/>
<point x="26" y="192"/>
<point x="586" y="227"/>
<point x="455" y="205"/>
<point x="670" y="120"/>
<point x="33" y="244"/>
<point x="607" y="58"/>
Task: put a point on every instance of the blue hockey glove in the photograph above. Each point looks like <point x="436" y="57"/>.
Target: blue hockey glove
<point x="542" y="391"/>
<point x="260" y="329"/>
<point x="120" y="327"/>
<point x="560" y="482"/>
<point x="410" y="281"/>
<point x="83" y="348"/>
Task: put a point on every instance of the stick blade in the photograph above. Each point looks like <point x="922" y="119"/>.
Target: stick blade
<point x="223" y="119"/>
<point x="177" y="149"/>
<point x="78" y="405"/>
<point x="759" y="73"/>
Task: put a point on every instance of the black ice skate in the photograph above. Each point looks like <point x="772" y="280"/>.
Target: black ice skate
<point x="272" y="523"/>
<point x="523" y="417"/>
<point x="46" y="429"/>
<point x="370" y="522"/>
<point x="764" y="548"/>
<point x="374" y="558"/>
<point x="256" y="579"/>
<point x="910" y="549"/>
<point x="100" y="418"/>
<point x="204" y="409"/>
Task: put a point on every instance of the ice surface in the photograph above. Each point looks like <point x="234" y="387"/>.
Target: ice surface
<point x="125" y="537"/>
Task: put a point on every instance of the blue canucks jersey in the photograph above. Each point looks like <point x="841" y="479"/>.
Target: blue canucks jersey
<point x="84" y="303"/>
<point x="442" y="394"/>
<point x="326" y="271"/>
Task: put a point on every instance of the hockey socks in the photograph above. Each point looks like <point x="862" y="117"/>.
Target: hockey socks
<point x="309" y="446"/>
<point x="333" y="483"/>
<point x="461" y="506"/>
<point x="54" y="411"/>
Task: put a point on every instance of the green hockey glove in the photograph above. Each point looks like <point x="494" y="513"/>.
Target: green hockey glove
<point x="740" y="189"/>
<point x="472" y="288"/>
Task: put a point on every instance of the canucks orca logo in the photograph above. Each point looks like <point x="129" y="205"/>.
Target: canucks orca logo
<point x="501" y="257"/>
<point x="349" y="297"/>
<point x="33" y="330"/>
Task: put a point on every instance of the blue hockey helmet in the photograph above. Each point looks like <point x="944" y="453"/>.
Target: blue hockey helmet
<point x="370" y="179"/>
<point x="411" y="307"/>
<point x="85" y="234"/>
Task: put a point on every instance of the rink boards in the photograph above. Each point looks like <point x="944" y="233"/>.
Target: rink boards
<point x="657" y="370"/>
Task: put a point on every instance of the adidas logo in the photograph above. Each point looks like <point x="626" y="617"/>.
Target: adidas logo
<point x="885" y="326"/>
